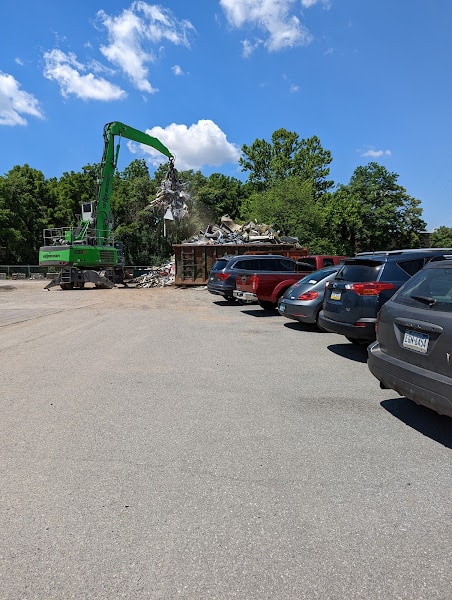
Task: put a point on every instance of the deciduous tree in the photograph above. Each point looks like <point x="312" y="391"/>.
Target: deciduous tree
<point x="287" y="156"/>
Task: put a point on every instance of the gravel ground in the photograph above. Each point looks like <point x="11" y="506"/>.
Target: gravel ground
<point x="160" y="443"/>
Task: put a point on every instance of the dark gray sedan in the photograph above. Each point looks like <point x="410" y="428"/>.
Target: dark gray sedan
<point x="413" y="351"/>
<point x="303" y="300"/>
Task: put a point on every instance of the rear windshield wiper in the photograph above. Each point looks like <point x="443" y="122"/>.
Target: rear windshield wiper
<point x="425" y="299"/>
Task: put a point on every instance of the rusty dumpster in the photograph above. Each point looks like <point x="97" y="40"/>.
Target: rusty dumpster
<point x="194" y="261"/>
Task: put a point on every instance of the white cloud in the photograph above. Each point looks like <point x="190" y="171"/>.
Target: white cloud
<point x="14" y="102"/>
<point x="248" y="48"/>
<point x="275" y="17"/>
<point x="67" y="72"/>
<point x="201" y="144"/>
<point x="309" y="3"/>
<point x="132" y="34"/>
<point x="293" y="87"/>
<point x="177" y="70"/>
<point x="372" y="153"/>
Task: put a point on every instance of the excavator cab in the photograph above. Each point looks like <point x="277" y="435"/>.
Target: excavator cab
<point x="88" y="211"/>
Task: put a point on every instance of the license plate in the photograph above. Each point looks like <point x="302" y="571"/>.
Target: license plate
<point x="413" y="340"/>
<point x="335" y="296"/>
<point x="282" y="307"/>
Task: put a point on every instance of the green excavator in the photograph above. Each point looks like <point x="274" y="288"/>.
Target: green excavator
<point x="88" y="252"/>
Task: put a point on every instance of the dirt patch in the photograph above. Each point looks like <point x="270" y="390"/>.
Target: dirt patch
<point x="7" y="288"/>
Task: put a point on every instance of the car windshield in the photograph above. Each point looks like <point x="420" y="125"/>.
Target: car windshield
<point x="429" y="288"/>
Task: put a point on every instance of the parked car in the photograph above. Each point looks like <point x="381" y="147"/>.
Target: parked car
<point x="361" y="287"/>
<point x="222" y="277"/>
<point x="315" y="262"/>
<point x="266" y="288"/>
<point x="303" y="300"/>
<point x="413" y="351"/>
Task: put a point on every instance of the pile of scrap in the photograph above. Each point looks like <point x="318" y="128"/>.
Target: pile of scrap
<point x="229" y="232"/>
<point x="156" y="276"/>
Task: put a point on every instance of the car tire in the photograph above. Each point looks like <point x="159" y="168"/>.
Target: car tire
<point x="317" y="322"/>
<point x="267" y="305"/>
<point x="357" y="341"/>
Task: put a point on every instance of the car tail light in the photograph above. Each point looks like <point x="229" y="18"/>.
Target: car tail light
<point x="369" y="288"/>
<point x="223" y="276"/>
<point x="255" y="280"/>
<point x="308" y="296"/>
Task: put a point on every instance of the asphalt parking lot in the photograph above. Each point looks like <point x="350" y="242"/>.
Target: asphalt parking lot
<point x="160" y="444"/>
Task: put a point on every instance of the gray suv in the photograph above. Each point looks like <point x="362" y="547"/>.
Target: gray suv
<point x="363" y="284"/>
<point x="412" y="354"/>
<point x="222" y="277"/>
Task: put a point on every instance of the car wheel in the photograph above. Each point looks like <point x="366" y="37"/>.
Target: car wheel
<point x="267" y="305"/>
<point x="317" y="322"/>
<point x="357" y="341"/>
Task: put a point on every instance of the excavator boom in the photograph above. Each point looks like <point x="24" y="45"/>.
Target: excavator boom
<point x="108" y="167"/>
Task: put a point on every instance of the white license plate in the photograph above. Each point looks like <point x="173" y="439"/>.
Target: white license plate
<point x="335" y="296"/>
<point x="282" y="307"/>
<point x="413" y="340"/>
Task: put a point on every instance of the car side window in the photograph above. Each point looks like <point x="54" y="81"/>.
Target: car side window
<point x="411" y="266"/>
<point x="247" y="265"/>
<point x="269" y="264"/>
<point x="287" y="265"/>
<point x="328" y="262"/>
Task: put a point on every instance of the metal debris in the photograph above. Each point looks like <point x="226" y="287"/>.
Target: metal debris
<point x="229" y="232"/>
<point x="172" y="198"/>
<point x="158" y="276"/>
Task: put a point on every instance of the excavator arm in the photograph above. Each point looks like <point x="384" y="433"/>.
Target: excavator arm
<point x="108" y="166"/>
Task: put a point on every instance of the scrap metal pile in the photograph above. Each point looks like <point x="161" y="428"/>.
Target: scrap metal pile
<point x="156" y="276"/>
<point x="172" y="198"/>
<point x="229" y="232"/>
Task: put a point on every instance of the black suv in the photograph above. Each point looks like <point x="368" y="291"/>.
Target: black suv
<point x="361" y="287"/>
<point x="222" y="277"/>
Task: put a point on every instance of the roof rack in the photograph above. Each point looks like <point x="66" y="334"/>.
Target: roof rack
<point x="404" y="251"/>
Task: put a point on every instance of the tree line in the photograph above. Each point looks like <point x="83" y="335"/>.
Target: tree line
<point x="287" y="186"/>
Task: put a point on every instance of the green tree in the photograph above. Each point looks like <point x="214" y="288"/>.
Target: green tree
<point x="132" y="190"/>
<point x="287" y="156"/>
<point x="441" y="237"/>
<point x="384" y="215"/>
<point x="70" y="192"/>
<point x="289" y="207"/>
<point x="342" y="222"/>
<point x="220" y="195"/>
<point x="24" y="197"/>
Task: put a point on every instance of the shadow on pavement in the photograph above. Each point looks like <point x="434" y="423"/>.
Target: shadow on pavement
<point x="351" y="351"/>
<point x="297" y="326"/>
<point x="260" y="312"/>
<point x="225" y="303"/>
<point x="431" y="424"/>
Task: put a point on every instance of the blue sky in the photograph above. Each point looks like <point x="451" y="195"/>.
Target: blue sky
<point x="371" y="78"/>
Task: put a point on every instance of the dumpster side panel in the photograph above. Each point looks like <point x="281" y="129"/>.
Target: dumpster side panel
<point x="194" y="261"/>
